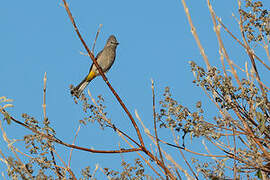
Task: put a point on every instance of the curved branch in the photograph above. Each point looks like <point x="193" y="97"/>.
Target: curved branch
<point x="54" y="139"/>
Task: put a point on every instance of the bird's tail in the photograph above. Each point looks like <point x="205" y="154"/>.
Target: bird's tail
<point x="77" y="91"/>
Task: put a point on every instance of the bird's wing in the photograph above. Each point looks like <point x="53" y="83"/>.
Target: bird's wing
<point x="96" y="59"/>
<point x="99" y="54"/>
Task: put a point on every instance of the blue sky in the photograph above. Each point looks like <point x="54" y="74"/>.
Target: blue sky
<point x="155" y="42"/>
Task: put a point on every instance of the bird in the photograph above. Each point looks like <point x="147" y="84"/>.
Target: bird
<point x="105" y="59"/>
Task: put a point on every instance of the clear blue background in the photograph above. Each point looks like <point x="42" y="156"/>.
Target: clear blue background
<point x="155" y="42"/>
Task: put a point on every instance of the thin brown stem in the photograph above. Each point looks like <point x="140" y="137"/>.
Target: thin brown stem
<point x="58" y="172"/>
<point x="44" y="96"/>
<point x="71" y="150"/>
<point x="234" y="153"/>
<point x="221" y="45"/>
<point x="147" y="152"/>
<point x="54" y="139"/>
<point x="196" y="37"/>
<point x="183" y="156"/>
<point x="155" y="125"/>
<point x="66" y="167"/>
<point x="98" y="31"/>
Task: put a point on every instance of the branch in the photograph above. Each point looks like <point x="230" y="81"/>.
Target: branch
<point x="166" y="170"/>
<point x="46" y="122"/>
<point x="96" y="38"/>
<point x="196" y="37"/>
<point x="155" y="125"/>
<point x="71" y="150"/>
<point x="221" y="45"/>
<point x="54" y="139"/>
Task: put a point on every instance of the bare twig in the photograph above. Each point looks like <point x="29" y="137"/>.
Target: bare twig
<point x="221" y="45"/>
<point x="71" y="150"/>
<point x="266" y="48"/>
<point x="171" y="159"/>
<point x="234" y="159"/>
<point x="44" y="96"/>
<point x="183" y="156"/>
<point x="95" y="170"/>
<point x="66" y="167"/>
<point x="196" y="37"/>
<point x="155" y="124"/>
<point x="99" y="28"/>
<point x="222" y="62"/>
<point x="239" y="157"/>
<point x="193" y="152"/>
<point x="166" y="170"/>
<point x="46" y="122"/>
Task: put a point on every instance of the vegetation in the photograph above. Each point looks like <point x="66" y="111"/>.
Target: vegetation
<point x="240" y="131"/>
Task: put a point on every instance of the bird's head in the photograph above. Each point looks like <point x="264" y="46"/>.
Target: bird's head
<point x="112" y="41"/>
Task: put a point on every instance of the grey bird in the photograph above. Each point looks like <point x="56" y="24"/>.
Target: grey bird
<point x="105" y="60"/>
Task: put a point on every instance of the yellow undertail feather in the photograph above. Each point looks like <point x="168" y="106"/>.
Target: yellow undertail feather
<point x="90" y="76"/>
